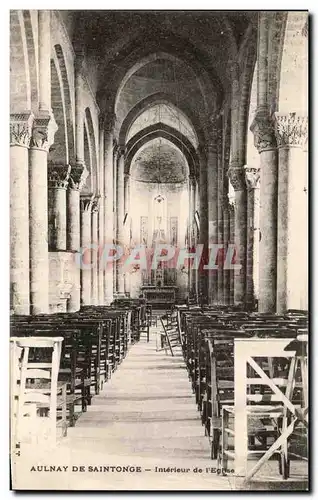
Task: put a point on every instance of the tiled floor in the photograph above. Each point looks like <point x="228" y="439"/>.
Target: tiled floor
<point x="144" y="418"/>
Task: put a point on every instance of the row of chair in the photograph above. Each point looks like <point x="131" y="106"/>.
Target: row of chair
<point x="95" y="341"/>
<point x="208" y="335"/>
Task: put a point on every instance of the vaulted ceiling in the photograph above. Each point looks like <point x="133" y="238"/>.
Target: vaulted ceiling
<point x="159" y="162"/>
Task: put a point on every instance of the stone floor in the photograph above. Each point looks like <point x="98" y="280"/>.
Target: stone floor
<point x="145" y="420"/>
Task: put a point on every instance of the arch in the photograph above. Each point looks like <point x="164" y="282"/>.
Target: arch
<point x="60" y="63"/>
<point x="89" y="130"/>
<point x="245" y="93"/>
<point x="168" y="133"/>
<point x="58" y="153"/>
<point x="168" y="46"/>
<point x="150" y="101"/>
<point x="293" y="77"/>
<point x="32" y="57"/>
<point x="20" y="82"/>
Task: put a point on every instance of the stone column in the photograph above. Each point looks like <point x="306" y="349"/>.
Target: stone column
<point x="108" y="214"/>
<point x="120" y="285"/>
<point x="232" y="241"/>
<point x="204" y="224"/>
<point x="252" y="177"/>
<point x="292" y="216"/>
<point x="212" y="177"/>
<point x="264" y="139"/>
<point x="115" y="162"/>
<point x="191" y="192"/>
<point x="237" y="179"/>
<point x="226" y="237"/>
<point x="127" y="225"/>
<point x="86" y="237"/>
<point x="101" y="269"/>
<point x="126" y="193"/>
<point x="58" y="176"/>
<point x="78" y="176"/>
<point x="220" y="227"/>
<point x="94" y="253"/>
<point x="44" y="128"/>
<point x="20" y="135"/>
<point x="195" y="234"/>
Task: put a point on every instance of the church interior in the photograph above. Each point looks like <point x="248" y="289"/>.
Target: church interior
<point x="159" y="249"/>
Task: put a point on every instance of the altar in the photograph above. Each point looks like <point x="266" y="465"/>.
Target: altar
<point x="162" y="297"/>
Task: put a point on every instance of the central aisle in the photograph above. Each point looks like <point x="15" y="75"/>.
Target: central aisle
<point x="145" y="417"/>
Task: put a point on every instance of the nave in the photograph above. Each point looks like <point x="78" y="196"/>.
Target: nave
<point x="159" y="159"/>
<point x="148" y="416"/>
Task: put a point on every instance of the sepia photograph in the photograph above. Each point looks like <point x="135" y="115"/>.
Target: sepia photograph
<point x="159" y="250"/>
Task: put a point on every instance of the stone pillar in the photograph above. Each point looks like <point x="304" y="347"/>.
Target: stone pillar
<point x="252" y="177"/>
<point x="20" y="135"/>
<point x="108" y="214"/>
<point x="127" y="225"/>
<point x="264" y="139"/>
<point x="58" y="176"/>
<point x="220" y="226"/>
<point x="115" y="162"/>
<point x="212" y="177"/>
<point x="204" y="225"/>
<point x="292" y="216"/>
<point x="232" y="240"/>
<point x="237" y="179"/>
<point x="101" y="268"/>
<point x="126" y="193"/>
<point x="191" y="193"/>
<point x="44" y="128"/>
<point x="195" y="236"/>
<point x="78" y="176"/>
<point x="226" y="239"/>
<point x="86" y="236"/>
<point x="120" y="285"/>
<point x="94" y="253"/>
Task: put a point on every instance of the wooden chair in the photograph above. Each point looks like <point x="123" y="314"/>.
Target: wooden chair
<point x="286" y="405"/>
<point x="171" y="336"/>
<point x="36" y="394"/>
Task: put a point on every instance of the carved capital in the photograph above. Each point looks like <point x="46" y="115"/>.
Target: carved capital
<point x="86" y="202"/>
<point x="252" y="177"/>
<point x="237" y="178"/>
<point x="291" y="130"/>
<point x="264" y="132"/>
<point x="121" y="151"/>
<point x="44" y="128"/>
<point x="21" y="129"/>
<point x="58" y="175"/>
<point x="78" y="176"/>
<point x="95" y="204"/>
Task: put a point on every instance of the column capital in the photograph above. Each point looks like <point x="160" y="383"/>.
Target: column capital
<point x="121" y="151"/>
<point x="95" y="204"/>
<point x="264" y="131"/>
<point x="78" y="176"/>
<point x="237" y="178"/>
<point x="291" y="130"/>
<point x="86" y="202"/>
<point x="21" y="129"/>
<point x="58" y="175"/>
<point x="44" y="128"/>
<point x="252" y="177"/>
